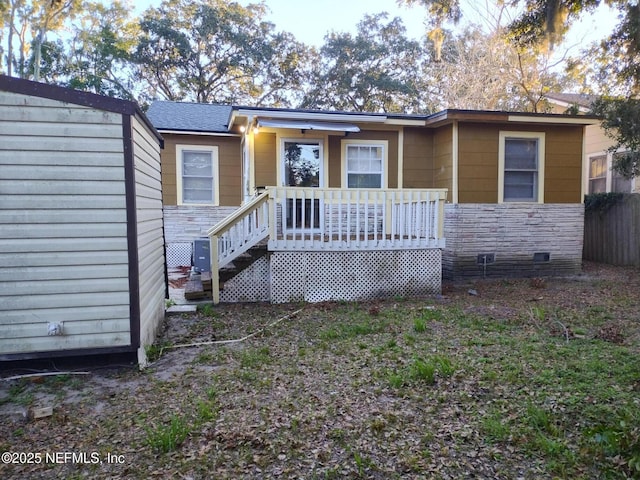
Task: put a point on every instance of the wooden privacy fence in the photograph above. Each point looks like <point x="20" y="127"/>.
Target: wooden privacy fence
<point x="612" y="234"/>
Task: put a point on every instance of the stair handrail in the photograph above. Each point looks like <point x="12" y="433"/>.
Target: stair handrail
<point x="231" y="220"/>
<point x="236" y="234"/>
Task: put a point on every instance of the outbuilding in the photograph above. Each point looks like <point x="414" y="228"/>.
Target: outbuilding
<point x="81" y="229"/>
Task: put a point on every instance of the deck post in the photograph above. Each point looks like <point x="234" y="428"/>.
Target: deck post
<point x="215" y="274"/>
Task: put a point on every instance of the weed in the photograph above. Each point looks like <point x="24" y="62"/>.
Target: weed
<point x="362" y="462"/>
<point x="166" y="438"/>
<point x="19" y="393"/>
<point x="204" y="358"/>
<point x="424" y="371"/>
<point x="211" y="393"/>
<point x="154" y="351"/>
<point x="431" y="314"/>
<point x="620" y="439"/>
<point x="494" y="429"/>
<point x="419" y="325"/>
<point x="444" y="366"/>
<point x="338" y="435"/>
<point x="346" y="331"/>
<point x="377" y="425"/>
<point x="254" y="358"/>
<point x="168" y="303"/>
<point x="396" y="380"/>
<point x="206" y="410"/>
<point x="540" y="420"/>
<point x="207" y="310"/>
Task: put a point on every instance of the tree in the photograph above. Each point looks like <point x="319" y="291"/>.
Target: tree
<point x="377" y="70"/>
<point x="619" y="62"/>
<point x="100" y="51"/>
<point x="440" y="12"/>
<point x="49" y="15"/>
<point x="483" y="71"/>
<point x="29" y="22"/>
<point x="215" y="51"/>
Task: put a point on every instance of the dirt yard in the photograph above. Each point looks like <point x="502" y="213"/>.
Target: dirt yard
<point x="500" y="379"/>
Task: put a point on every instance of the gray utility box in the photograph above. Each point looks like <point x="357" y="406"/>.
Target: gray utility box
<point x="202" y="255"/>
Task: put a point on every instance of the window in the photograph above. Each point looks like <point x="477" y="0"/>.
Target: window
<point x="598" y="174"/>
<point x="364" y="164"/>
<point x="619" y="184"/>
<point x="521" y="164"/>
<point x="197" y="175"/>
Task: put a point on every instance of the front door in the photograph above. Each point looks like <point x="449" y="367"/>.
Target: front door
<point x="302" y="167"/>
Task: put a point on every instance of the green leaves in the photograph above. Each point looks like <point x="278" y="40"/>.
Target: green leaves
<point x="377" y="70"/>
<point x="215" y="51"/>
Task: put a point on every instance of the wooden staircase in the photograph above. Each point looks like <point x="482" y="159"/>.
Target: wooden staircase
<point x="240" y="263"/>
<point x="199" y="286"/>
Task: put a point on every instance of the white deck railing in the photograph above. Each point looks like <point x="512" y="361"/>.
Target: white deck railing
<point x="324" y="219"/>
<point x="355" y="219"/>
<point x="237" y="233"/>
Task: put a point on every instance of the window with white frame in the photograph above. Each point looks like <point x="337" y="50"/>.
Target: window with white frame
<point x="598" y="174"/>
<point x="364" y="164"/>
<point x="521" y="167"/>
<point x="619" y="184"/>
<point x="197" y="175"/>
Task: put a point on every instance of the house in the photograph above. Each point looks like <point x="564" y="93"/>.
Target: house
<point x="598" y="158"/>
<point x="81" y="243"/>
<point x="355" y="205"/>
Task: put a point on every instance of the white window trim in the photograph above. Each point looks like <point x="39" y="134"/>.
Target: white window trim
<point x="540" y="136"/>
<point x="608" y="178"/>
<point x="216" y="178"/>
<point x="365" y="143"/>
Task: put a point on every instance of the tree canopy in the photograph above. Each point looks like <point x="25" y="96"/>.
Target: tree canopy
<point x="375" y="70"/>
<point x="215" y="51"/>
<point x="226" y="52"/>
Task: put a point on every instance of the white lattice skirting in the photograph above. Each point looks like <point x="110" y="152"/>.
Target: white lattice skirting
<point x="179" y="254"/>
<point x="250" y="285"/>
<point x="325" y="276"/>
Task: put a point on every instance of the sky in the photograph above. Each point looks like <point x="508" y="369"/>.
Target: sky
<point x="311" y="20"/>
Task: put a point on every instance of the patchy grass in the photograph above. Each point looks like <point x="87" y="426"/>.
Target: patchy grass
<point x="521" y="381"/>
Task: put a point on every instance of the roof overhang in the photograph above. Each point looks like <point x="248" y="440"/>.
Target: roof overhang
<point x="449" y="116"/>
<point x="308" y="125"/>
<point x="556" y="119"/>
<point x="195" y="132"/>
<point x="245" y="115"/>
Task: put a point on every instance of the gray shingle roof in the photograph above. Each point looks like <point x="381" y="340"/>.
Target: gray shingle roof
<point x="192" y="117"/>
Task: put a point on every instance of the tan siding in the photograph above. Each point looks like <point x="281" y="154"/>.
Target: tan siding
<point x="443" y="159"/>
<point x="563" y="166"/>
<point x="150" y="240"/>
<point x="266" y="152"/>
<point x="229" y="165"/>
<point x="62" y="236"/>
<point x="392" y="138"/>
<point x="418" y="158"/>
<point x="596" y="141"/>
<point x="478" y="161"/>
<point x="335" y="162"/>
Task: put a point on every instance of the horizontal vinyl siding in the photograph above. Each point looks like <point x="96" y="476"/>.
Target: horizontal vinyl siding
<point x="149" y="230"/>
<point x="63" y="246"/>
